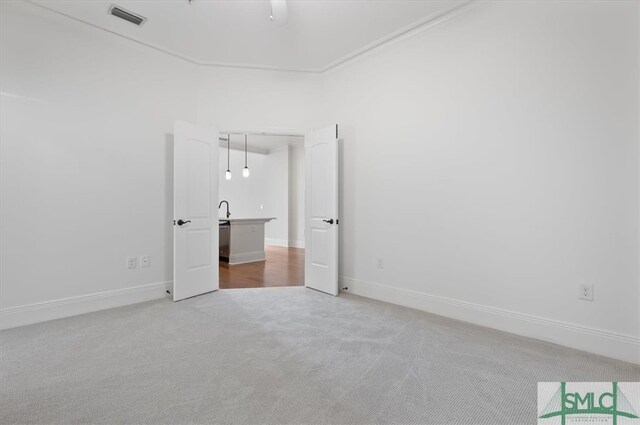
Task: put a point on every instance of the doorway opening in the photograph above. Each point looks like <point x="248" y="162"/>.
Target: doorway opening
<point x="196" y="244"/>
<point x="261" y="211"/>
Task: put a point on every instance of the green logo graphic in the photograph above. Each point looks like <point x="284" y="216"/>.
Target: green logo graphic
<point x="564" y="403"/>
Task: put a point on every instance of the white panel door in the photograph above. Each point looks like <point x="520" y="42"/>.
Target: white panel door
<point x="321" y="210"/>
<point x="195" y="210"/>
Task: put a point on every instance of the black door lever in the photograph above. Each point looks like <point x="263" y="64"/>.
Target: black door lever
<point x="330" y="221"/>
<point x="181" y="222"/>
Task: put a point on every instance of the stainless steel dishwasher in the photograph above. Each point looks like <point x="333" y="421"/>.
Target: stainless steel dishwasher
<point x="225" y="239"/>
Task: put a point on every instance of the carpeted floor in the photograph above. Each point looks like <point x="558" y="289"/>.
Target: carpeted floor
<point x="279" y="355"/>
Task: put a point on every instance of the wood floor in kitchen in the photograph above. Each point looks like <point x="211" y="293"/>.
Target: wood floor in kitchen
<point x="283" y="267"/>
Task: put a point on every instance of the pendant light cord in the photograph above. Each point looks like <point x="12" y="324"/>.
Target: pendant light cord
<point x="245" y="151"/>
<point x="228" y="150"/>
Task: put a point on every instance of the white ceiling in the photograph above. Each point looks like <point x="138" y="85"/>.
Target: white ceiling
<point x="319" y="33"/>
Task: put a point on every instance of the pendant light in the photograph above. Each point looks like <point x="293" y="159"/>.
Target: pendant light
<point x="227" y="175"/>
<point x="245" y="170"/>
<point x="278" y="13"/>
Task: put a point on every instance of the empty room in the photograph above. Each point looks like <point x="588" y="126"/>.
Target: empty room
<point x="320" y="212"/>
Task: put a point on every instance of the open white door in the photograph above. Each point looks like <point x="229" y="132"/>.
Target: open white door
<point x="321" y="210"/>
<point x="195" y="210"/>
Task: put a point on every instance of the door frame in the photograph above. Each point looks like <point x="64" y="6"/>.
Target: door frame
<point x="273" y="131"/>
<point x="268" y="131"/>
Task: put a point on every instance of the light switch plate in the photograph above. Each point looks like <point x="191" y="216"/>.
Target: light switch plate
<point x="132" y="262"/>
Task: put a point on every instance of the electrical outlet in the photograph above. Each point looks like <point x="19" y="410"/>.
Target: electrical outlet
<point x="380" y="263"/>
<point x="132" y="262"/>
<point x="586" y="292"/>
<point x="145" y="261"/>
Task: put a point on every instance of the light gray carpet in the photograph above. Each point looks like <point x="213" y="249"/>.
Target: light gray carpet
<point x="279" y="355"/>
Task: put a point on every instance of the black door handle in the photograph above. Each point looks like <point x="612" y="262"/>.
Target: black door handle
<point x="330" y="221"/>
<point x="181" y="222"/>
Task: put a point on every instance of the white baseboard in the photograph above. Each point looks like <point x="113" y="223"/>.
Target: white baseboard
<point x="296" y="244"/>
<point x="284" y="243"/>
<point x="55" y="309"/>
<point x="247" y="257"/>
<point x="276" y="242"/>
<point x="606" y="343"/>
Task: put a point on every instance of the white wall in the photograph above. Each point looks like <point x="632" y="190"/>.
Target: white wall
<point x="492" y="161"/>
<point x="86" y="175"/>
<point x="86" y="151"/>
<point x="276" y="232"/>
<point x="246" y="195"/>
<point x="246" y="99"/>
<point x="296" y="195"/>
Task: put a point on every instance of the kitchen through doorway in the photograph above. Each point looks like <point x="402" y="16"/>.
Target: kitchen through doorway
<point x="261" y="212"/>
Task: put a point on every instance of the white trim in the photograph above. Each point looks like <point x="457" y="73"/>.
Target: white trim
<point x="173" y="53"/>
<point x="296" y="244"/>
<point x="274" y="131"/>
<point x="284" y="243"/>
<point x="405" y="32"/>
<point x="598" y="341"/>
<point x="55" y="309"/>
<point x="414" y="28"/>
<point x="246" y="257"/>
<point x="276" y="242"/>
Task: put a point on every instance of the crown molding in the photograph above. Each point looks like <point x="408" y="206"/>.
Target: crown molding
<point x="410" y="30"/>
<point x="405" y="32"/>
<point x="173" y="53"/>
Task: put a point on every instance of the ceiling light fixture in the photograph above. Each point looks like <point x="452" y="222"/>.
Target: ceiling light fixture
<point x="245" y="170"/>
<point x="227" y="175"/>
<point x="278" y="11"/>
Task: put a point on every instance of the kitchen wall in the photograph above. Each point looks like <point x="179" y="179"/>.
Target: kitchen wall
<point x="276" y="232"/>
<point x="491" y="161"/>
<point x="296" y="195"/>
<point x="247" y="196"/>
<point x="275" y="188"/>
<point x="265" y="193"/>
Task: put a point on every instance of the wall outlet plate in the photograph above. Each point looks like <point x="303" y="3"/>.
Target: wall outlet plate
<point x="380" y="263"/>
<point x="145" y="261"/>
<point x="585" y="292"/>
<point x="132" y="262"/>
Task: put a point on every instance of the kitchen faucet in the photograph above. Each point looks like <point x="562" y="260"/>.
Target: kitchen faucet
<point x="225" y="202"/>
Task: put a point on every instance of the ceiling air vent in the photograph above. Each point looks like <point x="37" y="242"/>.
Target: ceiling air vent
<point x="126" y="15"/>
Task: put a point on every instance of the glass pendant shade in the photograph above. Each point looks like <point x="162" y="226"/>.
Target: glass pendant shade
<point x="245" y="172"/>
<point x="227" y="175"/>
